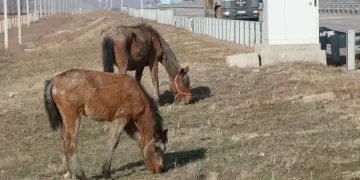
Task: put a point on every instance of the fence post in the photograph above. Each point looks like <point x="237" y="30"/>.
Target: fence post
<point x="19" y="21"/>
<point x="27" y="13"/>
<point x="350" y="48"/>
<point x="5" y="23"/>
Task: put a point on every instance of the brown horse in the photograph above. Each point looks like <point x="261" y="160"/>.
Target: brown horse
<point x="102" y="96"/>
<point x="135" y="47"/>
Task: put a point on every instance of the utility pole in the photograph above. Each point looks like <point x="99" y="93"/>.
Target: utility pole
<point x="40" y="6"/>
<point x="45" y="8"/>
<point x="35" y="13"/>
<point x="27" y="13"/>
<point x="121" y="5"/>
<point x="141" y="11"/>
<point x="6" y="25"/>
<point x="19" y="21"/>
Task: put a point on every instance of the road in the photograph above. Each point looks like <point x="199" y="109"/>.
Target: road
<point x="340" y="22"/>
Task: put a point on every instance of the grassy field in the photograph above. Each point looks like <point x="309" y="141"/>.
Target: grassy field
<point x="285" y="121"/>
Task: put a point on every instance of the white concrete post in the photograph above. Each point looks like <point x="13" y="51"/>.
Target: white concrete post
<point x="66" y="5"/>
<point x="111" y="4"/>
<point x="141" y="10"/>
<point x="6" y="38"/>
<point x="41" y="9"/>
<point x="71" y="7"/>
<point x="350" y="48"/>
<point x="45" y="8"/>
<point x="27" y="13"/>
<point x="106" y="4"/>
<point x="19" y="21"/>
<point x="35" y="13"/>
<point x="121" y="5"/>
<point x="51" y="7"/>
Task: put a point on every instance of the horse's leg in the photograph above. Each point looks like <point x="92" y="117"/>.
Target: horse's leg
<point x="72" y="123"/>
<point x="155" y="79"/>
<point x="116" y="128"/>
<point x="139" y="73"/>
<point x="64" y="153"/>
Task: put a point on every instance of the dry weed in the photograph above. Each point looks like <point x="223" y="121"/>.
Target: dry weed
<point x="285" y="121"/>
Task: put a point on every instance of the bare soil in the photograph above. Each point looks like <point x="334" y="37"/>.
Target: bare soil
<point x="285" y="121"/>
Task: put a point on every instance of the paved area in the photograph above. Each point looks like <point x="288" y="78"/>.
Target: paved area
<point x="340" y="22"/>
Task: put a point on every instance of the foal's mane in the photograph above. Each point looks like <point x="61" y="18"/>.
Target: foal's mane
<point x="155" y="111"/>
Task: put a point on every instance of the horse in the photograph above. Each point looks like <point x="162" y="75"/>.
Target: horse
<point x="101" y="96"/>
<point x="135" y="47"/>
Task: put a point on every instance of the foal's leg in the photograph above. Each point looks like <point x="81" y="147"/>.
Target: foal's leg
<point x="116" y="128"/>
<point x="155" y="79"/>
<point x="72" y="121"/>
<point x="139" y="73"/>
<point x="64" y="153"/>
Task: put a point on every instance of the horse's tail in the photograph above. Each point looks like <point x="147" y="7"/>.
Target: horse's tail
<point x="108" y="54"/>
<point x="52" y="110"/>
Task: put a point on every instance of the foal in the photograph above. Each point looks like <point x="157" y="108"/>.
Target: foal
<point x="118" y="99"/>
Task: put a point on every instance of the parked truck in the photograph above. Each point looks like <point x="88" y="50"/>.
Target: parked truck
<point x="233" y="9"/>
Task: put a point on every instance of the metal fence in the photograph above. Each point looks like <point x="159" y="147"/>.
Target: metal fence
<point x="246" y="33"/>
<point x="13" y="21"/>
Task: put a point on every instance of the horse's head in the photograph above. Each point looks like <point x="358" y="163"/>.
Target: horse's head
<point x="180" y="86"/>
<point x="153" y="152"/>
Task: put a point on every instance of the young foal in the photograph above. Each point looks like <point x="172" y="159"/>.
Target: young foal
<point x="116" y="98"/>
<point x="135" y="47"/>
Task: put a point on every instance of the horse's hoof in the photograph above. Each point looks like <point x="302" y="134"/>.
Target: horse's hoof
<point x="106" y="174"/>
<point x="83" y="178"/>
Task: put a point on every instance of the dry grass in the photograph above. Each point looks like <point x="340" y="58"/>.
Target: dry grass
<point x="287" y="121"/>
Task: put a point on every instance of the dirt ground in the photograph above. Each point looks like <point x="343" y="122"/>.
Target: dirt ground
<point x="285" y="121"/>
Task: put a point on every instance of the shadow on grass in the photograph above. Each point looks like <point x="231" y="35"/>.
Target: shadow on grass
<point x="172" y="160"/>
<point x="198" y="93"/>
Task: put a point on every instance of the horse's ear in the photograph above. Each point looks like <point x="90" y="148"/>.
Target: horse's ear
<point x="186" y="69"/>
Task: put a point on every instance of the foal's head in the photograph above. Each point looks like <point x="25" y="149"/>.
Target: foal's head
<point x="154" y="150"/>
<point x="180" y="86"/>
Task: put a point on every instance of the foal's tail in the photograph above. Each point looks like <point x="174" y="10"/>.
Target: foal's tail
<point x="52" y="110"/>
<point x="108" y="54"/>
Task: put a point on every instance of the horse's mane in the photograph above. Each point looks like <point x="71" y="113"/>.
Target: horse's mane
<point x="155" y="111"/>
<point x="172" y="63"/>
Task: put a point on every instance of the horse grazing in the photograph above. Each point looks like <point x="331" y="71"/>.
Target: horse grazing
<point x="135" y="47"/>
<point x="102" y="96"/>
